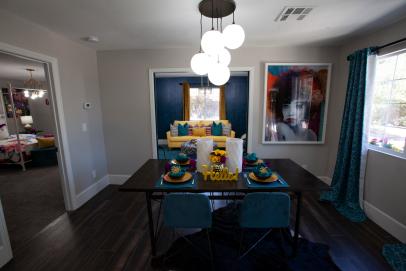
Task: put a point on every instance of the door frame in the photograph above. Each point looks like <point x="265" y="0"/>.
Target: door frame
<point x="248" y="69"/>
<point x="52" y="74"/>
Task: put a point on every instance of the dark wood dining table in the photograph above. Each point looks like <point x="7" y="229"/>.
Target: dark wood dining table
<point x="299" y="180"/>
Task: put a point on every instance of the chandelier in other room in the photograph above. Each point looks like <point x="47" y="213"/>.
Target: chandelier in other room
<point x="33" y="88"/>
<point x="213" y="57"/>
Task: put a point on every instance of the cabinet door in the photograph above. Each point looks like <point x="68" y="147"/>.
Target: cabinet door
<point x="5" y="248"/>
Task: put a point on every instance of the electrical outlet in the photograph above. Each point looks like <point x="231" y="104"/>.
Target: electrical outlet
<point x="94" y="175"/>
<point x="84" y="127"/>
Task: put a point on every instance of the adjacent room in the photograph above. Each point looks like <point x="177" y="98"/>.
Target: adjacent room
<point x="30" y="185"/>
<point x="192" y="100"/>
<point x="202" y="135"/>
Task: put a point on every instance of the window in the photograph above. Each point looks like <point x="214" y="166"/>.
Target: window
<point x="388" y="113"/>
<point x="204" y="103"/>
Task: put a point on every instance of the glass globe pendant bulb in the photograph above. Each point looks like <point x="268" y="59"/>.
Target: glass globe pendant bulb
<point x="200" y="63"/>
<point x="219" y="74"/>
<point x="234" y="36"/>
<point x="224" y="57"/>
<point x="26" y="93"/>
<point x="41" y="93"/>
<point x="212" y="42"/>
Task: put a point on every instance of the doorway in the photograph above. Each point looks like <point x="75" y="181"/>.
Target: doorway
<point x="31" y="177"/>
<point x="166" y="96"/>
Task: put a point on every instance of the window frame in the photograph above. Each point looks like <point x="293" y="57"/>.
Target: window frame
<point x="190" y="103"/>
<point x="376" y="148"/>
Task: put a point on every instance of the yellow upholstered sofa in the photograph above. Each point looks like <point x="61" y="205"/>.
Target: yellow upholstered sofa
<point x="177" y="141"/>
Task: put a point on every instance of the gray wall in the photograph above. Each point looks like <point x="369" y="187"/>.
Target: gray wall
<point x="124" y="88"/>
<point x="79" y="83"/>
<point x="385" y="184"/>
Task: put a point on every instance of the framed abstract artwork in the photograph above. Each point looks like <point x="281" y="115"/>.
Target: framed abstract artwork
<point x="295" y="103"/>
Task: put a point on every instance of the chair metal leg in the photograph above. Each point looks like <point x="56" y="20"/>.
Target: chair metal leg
<point x="255" y="244"/>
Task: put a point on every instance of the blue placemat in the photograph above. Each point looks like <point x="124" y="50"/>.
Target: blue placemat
<point x="252" y="184"/>
<point x="160" y="183"/>
<point x="248" y="169"/>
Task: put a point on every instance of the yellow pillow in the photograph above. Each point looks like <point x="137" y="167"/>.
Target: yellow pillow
<point x="199" y="131"/>
<point x="46" y="142"/>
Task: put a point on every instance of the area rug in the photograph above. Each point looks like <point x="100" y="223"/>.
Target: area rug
<point x="273" y="253"/>
<point x="395" y="255"/>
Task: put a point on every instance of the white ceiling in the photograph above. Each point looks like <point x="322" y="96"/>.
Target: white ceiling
<point x="125" y="24"/>
<point x="14" y="68"/>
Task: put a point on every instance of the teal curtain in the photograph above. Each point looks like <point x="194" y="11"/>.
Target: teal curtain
<point x="344" y="193"/>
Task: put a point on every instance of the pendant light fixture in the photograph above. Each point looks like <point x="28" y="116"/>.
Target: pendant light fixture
<point x="32" y="88"/>
<point x="213" y="58"/>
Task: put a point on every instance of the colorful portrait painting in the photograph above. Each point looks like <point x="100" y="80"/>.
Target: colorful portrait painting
<point x="295" y="102"/>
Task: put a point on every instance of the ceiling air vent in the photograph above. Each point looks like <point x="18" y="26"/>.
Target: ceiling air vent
<point x="293" y="13"/>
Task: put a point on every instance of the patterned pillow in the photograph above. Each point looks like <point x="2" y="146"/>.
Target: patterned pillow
<point x="217" y="129"/>
<point x="183" y="130"/>
<point x="174" y="130"/>
<point x="208" y="130"/>
<point x="191" y="127"/>
<point x="226" y="129"/>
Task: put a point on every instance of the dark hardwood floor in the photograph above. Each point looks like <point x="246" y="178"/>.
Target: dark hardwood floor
<point x="110" y="233"/>
<point x="31" y="200"/>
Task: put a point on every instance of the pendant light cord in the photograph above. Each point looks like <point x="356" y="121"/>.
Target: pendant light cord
<point x="212" y="14"/>
<point x="233" y="18"/>
<point x="201" y="32"/>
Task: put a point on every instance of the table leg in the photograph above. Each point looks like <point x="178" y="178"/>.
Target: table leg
<point x="151" y="224"/>
<point x="297" y="222"/>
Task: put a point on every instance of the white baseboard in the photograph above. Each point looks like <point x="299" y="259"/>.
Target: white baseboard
<point x="387" y="222"/>
<point x="325" y="179"/>
<point x="91" y="191"/>
<point x="118" y="179"/>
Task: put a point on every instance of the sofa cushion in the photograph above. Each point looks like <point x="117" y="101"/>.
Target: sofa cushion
<point x="174" y="130"/>
<point x="183" y="138"/>
<point x="189" y="122"/>
<point x="210" y="122"/>
<point x="199" y="131"/>
<point x="217" y="129"/>
<point x="226" y="129"/>
<point x="183" y="129"/>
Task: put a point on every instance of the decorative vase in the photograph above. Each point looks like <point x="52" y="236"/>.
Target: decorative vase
<point x="234" y="148"/>
<point x="204" y="147"/>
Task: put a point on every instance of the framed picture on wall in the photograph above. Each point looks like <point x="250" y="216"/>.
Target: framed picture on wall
<point x="295" y="103"/>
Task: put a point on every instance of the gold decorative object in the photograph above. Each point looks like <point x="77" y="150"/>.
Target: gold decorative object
<point x="223" y="175"/>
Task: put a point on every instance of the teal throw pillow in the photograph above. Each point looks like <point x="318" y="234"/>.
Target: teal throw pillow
<point x="183" y="130"/>
<point x="217" y="129"/>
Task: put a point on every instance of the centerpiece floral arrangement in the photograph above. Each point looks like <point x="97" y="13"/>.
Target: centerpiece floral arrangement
<point x="218" y="159"/>
<point x="218" y="156"/>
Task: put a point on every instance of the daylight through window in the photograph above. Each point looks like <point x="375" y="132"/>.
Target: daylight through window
<point x="204" y="103"/>
<point x="388" y="114"/>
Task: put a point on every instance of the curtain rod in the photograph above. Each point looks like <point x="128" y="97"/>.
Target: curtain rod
<point x="390" y="44"/>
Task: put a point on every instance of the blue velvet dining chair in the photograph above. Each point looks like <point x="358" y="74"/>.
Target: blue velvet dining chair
<point x="263" y="210"/>
<point x="189" y="210"/>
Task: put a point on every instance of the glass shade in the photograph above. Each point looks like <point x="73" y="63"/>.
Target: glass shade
<point x="212" y="42"/>
<point x="219" y="74"/>
<point x="200" y="63"/>
<point x="234" y="36"/>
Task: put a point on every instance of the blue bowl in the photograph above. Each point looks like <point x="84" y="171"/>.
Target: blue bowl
<point x="176" y="172"/>
<point x="262" y="171"/>
<point x="251" y="158"/>
<point x="181" y="157"/>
